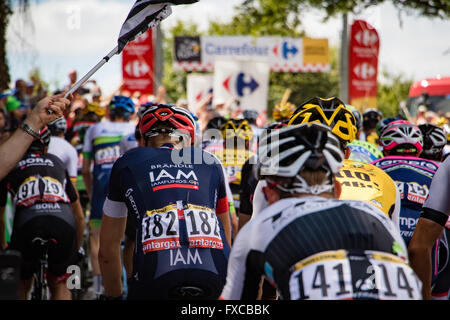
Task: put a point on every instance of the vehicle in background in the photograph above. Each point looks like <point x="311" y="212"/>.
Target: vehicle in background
<point x="434" y="93"/>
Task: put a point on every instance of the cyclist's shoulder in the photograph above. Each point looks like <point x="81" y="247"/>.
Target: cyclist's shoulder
<point x="406" y="162"/>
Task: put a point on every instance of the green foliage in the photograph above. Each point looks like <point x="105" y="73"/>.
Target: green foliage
<point x="392" y="93"/>
<point x="174" y="80"/>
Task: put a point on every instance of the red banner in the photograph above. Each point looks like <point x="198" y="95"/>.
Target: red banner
<point x="363" y="65"/>
<point x="138" y="65"/>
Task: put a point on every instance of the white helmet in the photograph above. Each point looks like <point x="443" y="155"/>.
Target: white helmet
<point x="285" y="152"/>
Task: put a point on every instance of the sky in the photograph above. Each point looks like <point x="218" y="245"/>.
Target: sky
<point x="76" y="34"/>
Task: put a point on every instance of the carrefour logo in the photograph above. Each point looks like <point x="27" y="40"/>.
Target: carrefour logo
<point x="241" y="82"/>
<point x="287" y="50"/>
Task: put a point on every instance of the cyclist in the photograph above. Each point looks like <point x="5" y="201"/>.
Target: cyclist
<point x="63" y="149"/>
<point x="360" y="181"/>
<point x="402" y="143"/>
<point x="309" y="244"/>
<point x="101" y="146"/>
<point x="361" y="151"/>
<point x="89" y="116"/>
<point x="46" y="206"/>
<point x="370" y="117"/>
<point x="237" y="135"/>
<point x="212" y="140"/>
<point x="434" y="141"/>
<point x="180" y="211"/>
<point x="434" y="219"/>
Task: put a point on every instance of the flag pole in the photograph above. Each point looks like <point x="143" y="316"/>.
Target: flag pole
<point x="92" y="71"/>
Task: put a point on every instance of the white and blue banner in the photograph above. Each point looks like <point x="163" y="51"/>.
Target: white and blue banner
<point x="244" y="80"/>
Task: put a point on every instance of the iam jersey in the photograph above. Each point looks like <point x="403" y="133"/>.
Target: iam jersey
<point x="173" y="203"/>
<point x="413" y="178"/>
<point x="317" y="248"/>
<point x="101" y="144"/>
<point x="39" y="184"/>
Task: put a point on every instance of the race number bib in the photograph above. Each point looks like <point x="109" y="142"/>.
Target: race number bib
<point x="29" y="191"/>
<point x="414" y="191"/>
<point x="161" y="228"/>
<point x="107" y="155"/>
<point x="203" y="227"/>
<point x="338" y="275"/>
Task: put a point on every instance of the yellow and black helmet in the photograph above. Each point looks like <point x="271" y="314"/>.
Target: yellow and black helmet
<point x="331" y="112"/>
<point x="236" y="128"/>
<point x="94" y="108"/>
<point x="283" y="111"/>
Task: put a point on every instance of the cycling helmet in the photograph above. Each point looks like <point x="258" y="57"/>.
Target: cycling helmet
<point x="250" y="115"/>
<point x="356" y="114"/>
<point x="121" y="103"/>
<point x="401" y="137"/>
<point x="237" y="128"/>
<point x="178" y="118"/>
<point x="216" y="122"/>
<point x="434" y="141"/>
<point x="58" y="126"/>
<point x="285" y="152"/>
<point x="371" y="117"/>
<point x="383" y="122"/>
<point x="282" y="112"/>
<point x="38" y="145"/>
<point x="331" y="112"/>
<point x="94" y="108"/>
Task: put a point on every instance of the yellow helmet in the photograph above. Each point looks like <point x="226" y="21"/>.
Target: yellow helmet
<point x="283" y="111"/>
<point x="95" y="108"/>
<point x="239" y="128"/>
<point x="331" y="112"/>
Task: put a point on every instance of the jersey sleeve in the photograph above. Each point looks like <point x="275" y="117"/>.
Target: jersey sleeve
<point x="72" y="167"/>
<point x="115" y="206"/>
<point x="70" y="190"/>
<point x="242" y="280"/>
<point x="246" y="192"/>
<point x="438" y="199"/>
<point x="87" y="145"/>
<point x="222" y="197"/>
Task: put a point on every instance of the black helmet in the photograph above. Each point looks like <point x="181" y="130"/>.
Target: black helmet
<point x="434" y="141"/>
<point x="250" y="115"/>
<point x="38" y="145"/>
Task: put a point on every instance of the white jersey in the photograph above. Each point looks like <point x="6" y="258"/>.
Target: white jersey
<point x="128" y="142"/>
<point x="317" y="248"/>
<point x="66" y="152"/>
<point x="101" y="142"/>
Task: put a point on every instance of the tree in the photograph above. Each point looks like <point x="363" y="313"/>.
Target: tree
<point x="5" y="13"/>
<point x="392" y="93"/>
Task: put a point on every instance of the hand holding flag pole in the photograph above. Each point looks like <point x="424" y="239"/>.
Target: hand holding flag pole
<point x="144" y="14"/>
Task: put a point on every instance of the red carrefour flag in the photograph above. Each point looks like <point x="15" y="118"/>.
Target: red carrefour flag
<point x="138" y="64"/>
<point x="363" y="65"/>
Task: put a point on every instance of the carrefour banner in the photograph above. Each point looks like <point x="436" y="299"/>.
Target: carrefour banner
<point x="283" y="54"/>
<point x="247" y="81"/>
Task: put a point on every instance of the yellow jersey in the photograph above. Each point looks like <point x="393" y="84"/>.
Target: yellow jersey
<point x="364" y="181"/>
<point x="232" y="161"/>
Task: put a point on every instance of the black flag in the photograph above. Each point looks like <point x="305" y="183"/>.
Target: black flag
<point x="144" y="15"/>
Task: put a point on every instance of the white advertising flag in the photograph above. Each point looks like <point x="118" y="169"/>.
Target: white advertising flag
<point x="198" y="87"/>
<point x="244" y="80"/>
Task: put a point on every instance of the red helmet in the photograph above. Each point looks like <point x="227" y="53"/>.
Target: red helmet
<point x="176" y="117"/>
